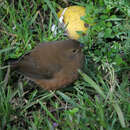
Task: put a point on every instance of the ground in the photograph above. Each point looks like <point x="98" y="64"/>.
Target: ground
<point x="99" y="99"/>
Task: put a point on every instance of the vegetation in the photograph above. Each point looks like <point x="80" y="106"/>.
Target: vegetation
<point x="100" y="99"/>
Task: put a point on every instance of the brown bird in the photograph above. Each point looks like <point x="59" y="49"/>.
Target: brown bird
<point x="52" y="65"/>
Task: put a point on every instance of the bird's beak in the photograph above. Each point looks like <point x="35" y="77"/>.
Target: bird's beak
<point x="81" y="45"/>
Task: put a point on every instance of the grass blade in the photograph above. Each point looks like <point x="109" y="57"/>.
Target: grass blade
<point x="92" y="83"/>
<point x="52" y="9"/>
<point x="120" y="114"/>
<point x="67" y="99"/>
<point x="5" y="50"/>
<point x="48" y="113"/>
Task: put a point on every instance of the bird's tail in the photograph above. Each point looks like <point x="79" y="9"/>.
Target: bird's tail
<point x="12" y="62"/>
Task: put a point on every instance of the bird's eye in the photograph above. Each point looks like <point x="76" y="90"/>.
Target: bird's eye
<point x="75" y="50"/>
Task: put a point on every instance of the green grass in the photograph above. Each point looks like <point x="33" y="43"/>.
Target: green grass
<point x="100" y="99"/>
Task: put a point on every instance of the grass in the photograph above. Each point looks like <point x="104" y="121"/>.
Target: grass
<point x="99" y="99"/>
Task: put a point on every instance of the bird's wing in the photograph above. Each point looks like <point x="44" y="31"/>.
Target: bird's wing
<point x="30" y="67"/>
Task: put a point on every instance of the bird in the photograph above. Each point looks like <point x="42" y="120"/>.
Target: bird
<point x="51" y="65"/>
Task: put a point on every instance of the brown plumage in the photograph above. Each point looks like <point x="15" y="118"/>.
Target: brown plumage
<point x="52" y="65"/>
